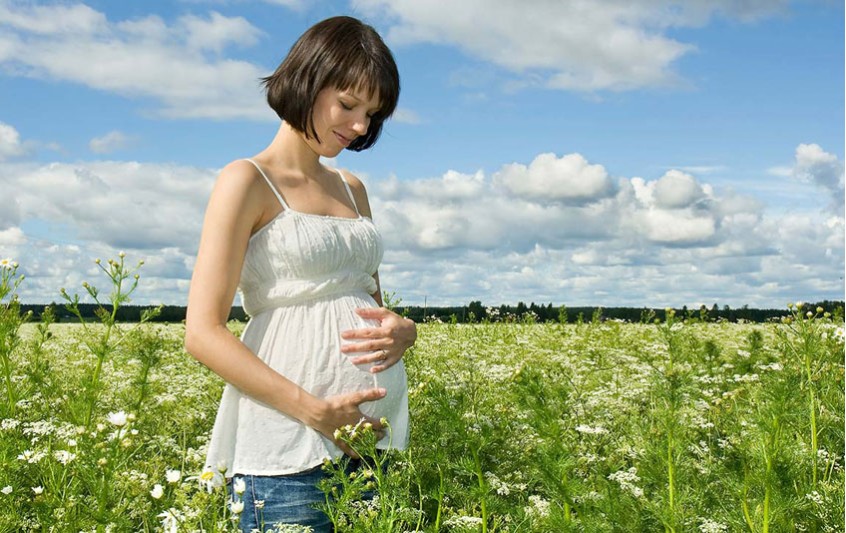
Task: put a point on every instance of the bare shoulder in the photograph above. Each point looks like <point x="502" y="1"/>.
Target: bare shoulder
<point x="241" y="182"/>
<point x="239" y="193"/>
<point x="239" y="174"/>
<point x="359" y="192"/>
<point x="355" y="183"/>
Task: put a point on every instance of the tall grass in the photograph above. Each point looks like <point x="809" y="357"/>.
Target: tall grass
<point x="679" y="425"/>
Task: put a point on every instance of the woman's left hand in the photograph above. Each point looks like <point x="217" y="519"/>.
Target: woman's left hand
<point x="386" y="343"/>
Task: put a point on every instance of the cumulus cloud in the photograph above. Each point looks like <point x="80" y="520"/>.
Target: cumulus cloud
<point x="569" y="178"/>
<point x="824" y="169"/>
<point x="118" y="204"/>
<point x="663" y="240"/>
<point x="10" y="142"/>
<point x="176" y="64"/>
<point x="110" y="142"/>
<point x="587" y="46"/>
<point x="676" y="189"/>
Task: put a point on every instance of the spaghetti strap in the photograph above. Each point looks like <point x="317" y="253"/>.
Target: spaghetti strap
<point x="349" y="191"/>
<point x="269" y="184"/>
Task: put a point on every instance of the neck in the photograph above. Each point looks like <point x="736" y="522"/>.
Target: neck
<point x="289" y="149"/>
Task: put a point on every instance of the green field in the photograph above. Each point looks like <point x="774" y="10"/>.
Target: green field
<point x="681" y="425"/>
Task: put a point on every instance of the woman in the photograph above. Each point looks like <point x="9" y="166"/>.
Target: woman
<point x="296" y="238"/>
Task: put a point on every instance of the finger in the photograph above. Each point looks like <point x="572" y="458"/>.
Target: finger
<point x="368" y="395"/>
<point x="373" y="312"/>
<point x="360" y="347"/>
<point x="378" y="357"/>
<point x="384" y="366"/>
<point x="364" y="333"/>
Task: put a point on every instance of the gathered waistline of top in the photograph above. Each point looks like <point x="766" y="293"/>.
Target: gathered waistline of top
<point x="253" y="308"/>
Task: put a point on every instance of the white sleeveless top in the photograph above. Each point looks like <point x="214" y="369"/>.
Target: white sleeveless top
<point x="303" y="277"/>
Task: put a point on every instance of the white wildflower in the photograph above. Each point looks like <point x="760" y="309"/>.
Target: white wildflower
<point x="236" y="506"/>
<point x="157" y="491"/>
<point x="64" y="456"/>
<point x="710" y="526"/>
<point x="539" y="507"/>
<point x="464" y="523"/>
<point x="173" y="476"/>
<point x="170" y="520"/>
<point x="627" y="480"/>
<point x="9" y="423"/>
<point x="815" y="497"/>
<point x="117" y="419"/>
<point x="497" y="484"/>
<point x="239" y="486"/>
<point x="7" y="489"/>
<point x="38" y="490"/>
<point x="598" y="430"/>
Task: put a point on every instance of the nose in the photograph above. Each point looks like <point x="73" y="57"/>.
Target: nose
<point x="360" y="124"/>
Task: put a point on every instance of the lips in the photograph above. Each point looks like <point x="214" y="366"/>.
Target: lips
<point x="345" y="141"/>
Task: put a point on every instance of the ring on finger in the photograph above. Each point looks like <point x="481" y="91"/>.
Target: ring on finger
<point x="384" y="356"/>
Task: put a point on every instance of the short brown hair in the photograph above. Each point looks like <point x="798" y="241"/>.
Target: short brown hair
<point x="340" y="52"/>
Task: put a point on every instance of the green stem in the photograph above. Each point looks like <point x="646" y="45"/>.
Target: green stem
<point x="813" y="415"/>
<point x="671" y="476"/>
<point x="745" y="504"/>
<point x="480" y="476"/>
<point x="7" y="374"/>
<point x="440" y="498"/>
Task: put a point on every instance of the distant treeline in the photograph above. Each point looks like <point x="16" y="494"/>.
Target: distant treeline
<point x="477" y="312"/>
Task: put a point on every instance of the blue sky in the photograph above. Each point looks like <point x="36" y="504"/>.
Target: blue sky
<point x="647" y="153"/>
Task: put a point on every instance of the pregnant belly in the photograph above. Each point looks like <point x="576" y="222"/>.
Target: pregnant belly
<point x="303" y="343"/>
<point x="359" y="377"/>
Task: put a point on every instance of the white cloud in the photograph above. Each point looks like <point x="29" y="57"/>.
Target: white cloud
<point x="609" y="45"/>
<point x="548" y="178"/>
<point x="676" y="189"/>
<point x="680" y="226"/>
<point x="12" y="237"/>
<point x="176" y="64"/>
<point x="217" y="32"/>
<point x="406" y="116"/>
<point x="110" y="142"/>
<point x="10" y="142"/>
<point x="449" y="239"/>
<point x="121" y="205"/>
<point x="823" y="169"/>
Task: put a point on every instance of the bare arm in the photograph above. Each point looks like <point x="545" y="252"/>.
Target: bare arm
<point x="234" y="209"/>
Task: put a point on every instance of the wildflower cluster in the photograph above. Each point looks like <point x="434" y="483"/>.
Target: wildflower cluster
<point x="672" y="424"/>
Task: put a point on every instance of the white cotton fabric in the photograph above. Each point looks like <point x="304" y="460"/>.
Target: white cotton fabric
<point x="303" y="277"/>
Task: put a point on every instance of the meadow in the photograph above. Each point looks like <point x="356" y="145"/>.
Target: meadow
<point x="680" y="424"/>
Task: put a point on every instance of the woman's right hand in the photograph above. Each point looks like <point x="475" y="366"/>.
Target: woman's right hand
<point x="342" y="409"/>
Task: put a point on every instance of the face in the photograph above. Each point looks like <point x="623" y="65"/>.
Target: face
<point x="339" y="118"/>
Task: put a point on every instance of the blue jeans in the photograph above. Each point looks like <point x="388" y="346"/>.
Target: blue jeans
<point x="287" y="499"/>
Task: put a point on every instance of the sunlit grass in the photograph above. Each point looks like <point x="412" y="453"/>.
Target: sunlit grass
<point x="681" y="425"/>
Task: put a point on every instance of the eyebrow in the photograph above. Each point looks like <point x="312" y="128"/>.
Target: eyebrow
<point x="359" y="100"/>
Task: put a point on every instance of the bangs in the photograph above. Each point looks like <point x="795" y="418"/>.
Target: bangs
<point x="363" y="74"/>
